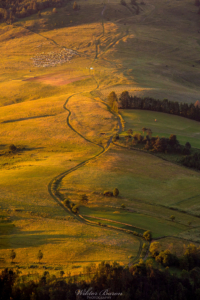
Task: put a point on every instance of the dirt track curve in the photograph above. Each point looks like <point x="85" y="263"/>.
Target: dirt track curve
<point x="54" y="183"/>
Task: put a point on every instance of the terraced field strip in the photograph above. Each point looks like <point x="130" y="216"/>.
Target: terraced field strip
<point x="123" y="225"/>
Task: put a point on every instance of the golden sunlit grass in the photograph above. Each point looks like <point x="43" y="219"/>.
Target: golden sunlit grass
<point x="63" y="243"/>
<point x="92" y="118"/>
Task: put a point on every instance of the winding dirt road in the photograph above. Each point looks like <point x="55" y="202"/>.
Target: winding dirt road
<point x="55" y="182"/>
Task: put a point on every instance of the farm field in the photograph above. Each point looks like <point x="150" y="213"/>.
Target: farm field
<point x="54" y="109"/>
<point x="156" y="226"/>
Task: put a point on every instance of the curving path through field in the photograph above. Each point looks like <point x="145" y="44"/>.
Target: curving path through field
<point x="53" y="185"/>
<point x="55" y="182"/>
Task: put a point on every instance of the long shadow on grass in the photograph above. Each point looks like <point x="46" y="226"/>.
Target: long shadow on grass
<point x="30" y="118"/>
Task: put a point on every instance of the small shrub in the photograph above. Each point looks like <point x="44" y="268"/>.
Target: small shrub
<point x="123" y="206"/>
<point x="12" y="148"/>
<point x="57" y="268"/>
<point x="172" y="218"/>
<point x="75" y="209"/>
<point x="115" y="192"/>
<point x="147" y="235"/>
<point x="108" y="194"/>
<point x="66" y="202"/>
<point x="54" y="10"/>
<point x="130" y="131"/>
<point x="33" y="266"/>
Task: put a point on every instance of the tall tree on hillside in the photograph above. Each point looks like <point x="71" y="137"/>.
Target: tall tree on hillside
<point x="113" y="101"/>
<point x="12" y="255"/>
<point x="125" y="99"/>
<point x="39" y="255"/>
<point x="75" y="6"/>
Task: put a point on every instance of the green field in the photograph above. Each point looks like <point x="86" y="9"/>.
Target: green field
<point x="186" y="130"/>
<point x="157" y="226"/>
<point x="58" y="118"/>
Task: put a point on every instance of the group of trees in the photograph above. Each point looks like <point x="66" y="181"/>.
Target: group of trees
<point x="157" y="144"/>
<point x="11" y="9"/>
<point x="115" y="193"/>
<point x="74" y="207"/>
<point x="166" y="145"/>
<point x="164" y="257"/>
<point x="191" y="111"/>
<point x="139" y="282"/>
<point x="189" y="260"/>
<point x="191" y="161"/>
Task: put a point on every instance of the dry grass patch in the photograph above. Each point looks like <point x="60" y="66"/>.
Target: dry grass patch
<point x="91" y="118"/>
<point x="64" y="243"/>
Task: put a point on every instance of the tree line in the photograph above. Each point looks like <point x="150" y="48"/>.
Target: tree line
<point x="188" y="261"/>
<point x="191" y="111"/>
<point x="155" y="144"/>
<point x="140" y="281"/>
<point x="11" y="9"/>
<point x="191" y="161"/>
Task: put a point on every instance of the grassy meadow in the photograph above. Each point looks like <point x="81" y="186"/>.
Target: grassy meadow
<point x="186" y="130"/>
<point x="57" y="116"/>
